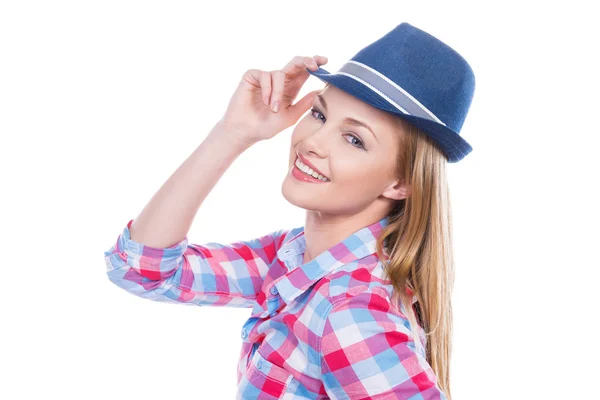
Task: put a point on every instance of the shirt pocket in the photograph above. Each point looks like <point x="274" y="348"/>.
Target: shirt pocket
<point x="264" y="380"/>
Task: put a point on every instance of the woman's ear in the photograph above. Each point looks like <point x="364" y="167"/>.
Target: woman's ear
<point x="396" y="191"/>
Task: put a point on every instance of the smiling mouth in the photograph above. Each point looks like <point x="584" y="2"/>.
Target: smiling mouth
<point x="305" y="169"/>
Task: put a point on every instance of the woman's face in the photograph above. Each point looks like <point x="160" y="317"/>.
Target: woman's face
<point x="359" y="162"/>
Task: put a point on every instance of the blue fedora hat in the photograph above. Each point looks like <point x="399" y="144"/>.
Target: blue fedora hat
<point x="412" y="74"/>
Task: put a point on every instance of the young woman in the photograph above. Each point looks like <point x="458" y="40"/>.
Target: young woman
<point x="357" y="302"/>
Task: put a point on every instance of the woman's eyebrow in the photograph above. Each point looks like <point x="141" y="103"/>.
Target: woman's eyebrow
<point x="348" y="120"/>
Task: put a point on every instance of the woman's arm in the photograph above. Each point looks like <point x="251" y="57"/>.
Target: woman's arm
<point x="209" y="274"/>
<point x="168" y="216"/>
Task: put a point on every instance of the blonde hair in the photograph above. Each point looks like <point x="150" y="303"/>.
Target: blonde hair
<point x="418" y="246"/>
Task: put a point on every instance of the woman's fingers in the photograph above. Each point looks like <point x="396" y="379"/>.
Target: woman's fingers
<point x="320" y="59"/>
<point x="310" y="63"/>
<point x="315" y="61"/>
<point x="298" y="65"/>
<point x="278" y="81"/>
<point x="265" y="84"/>
<point x="273" y="82"/>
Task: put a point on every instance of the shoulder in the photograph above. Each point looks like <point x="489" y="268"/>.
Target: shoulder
<point x="358" y="294"/>
<point x="284" y="235"/>
<point x="359" y="277"/>
<point x="272" y="240"/>
<point x="367" y="347"/>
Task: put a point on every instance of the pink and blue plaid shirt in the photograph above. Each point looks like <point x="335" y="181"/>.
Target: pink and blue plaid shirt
<point x="324" y="329"/>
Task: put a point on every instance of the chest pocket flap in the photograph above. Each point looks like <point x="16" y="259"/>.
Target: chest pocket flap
<point x="264" y="380"/>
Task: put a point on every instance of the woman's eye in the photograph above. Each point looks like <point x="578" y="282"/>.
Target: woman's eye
<point x="360" y="144"/>
<point x="314" y="110"/>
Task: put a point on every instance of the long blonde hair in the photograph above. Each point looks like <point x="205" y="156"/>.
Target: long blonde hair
<point x="418" y="246"/>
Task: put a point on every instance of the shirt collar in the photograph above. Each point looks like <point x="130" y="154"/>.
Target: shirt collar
<point x="299" y="277"/>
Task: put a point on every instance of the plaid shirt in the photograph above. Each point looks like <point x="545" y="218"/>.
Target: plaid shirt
<point x="324" y="329"/>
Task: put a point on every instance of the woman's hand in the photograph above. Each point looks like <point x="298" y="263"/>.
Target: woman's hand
<point x="261" y="106"/>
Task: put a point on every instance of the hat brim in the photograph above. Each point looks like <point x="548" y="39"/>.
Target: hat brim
<point x="451" y="143"/>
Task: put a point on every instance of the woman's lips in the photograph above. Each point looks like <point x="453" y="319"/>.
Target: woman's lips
<point x="307" y="163"/>
<point x="296" y="173"/>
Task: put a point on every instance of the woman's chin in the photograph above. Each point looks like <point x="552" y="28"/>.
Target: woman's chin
<point x="297" y="194"/>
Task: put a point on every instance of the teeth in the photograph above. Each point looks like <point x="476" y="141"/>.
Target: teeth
<point x="309" y="171"/>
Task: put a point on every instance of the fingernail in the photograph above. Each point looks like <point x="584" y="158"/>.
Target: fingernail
<point x="276" y="106"/>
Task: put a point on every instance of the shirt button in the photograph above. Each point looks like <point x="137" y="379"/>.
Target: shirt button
<point x="244" y="333"/>
<point x="273" y="290"/>
<point x="259" y="364"/>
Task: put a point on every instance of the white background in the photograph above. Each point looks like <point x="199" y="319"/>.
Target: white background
<point x="100" y="101"/>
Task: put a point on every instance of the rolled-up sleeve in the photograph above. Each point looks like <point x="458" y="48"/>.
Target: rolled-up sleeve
<point x="367" y="350"/>
<point x="195" y="274"/>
